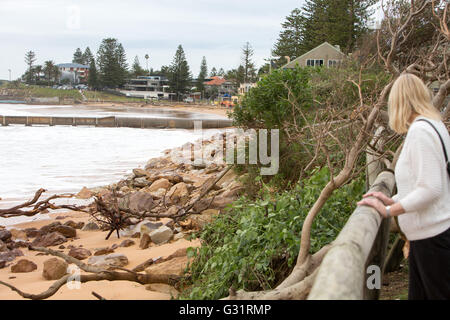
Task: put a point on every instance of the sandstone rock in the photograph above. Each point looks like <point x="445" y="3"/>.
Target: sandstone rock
<point x="31" y="232"/>
<point x="179" y="193"/>
<point x="139" y="173"/>
<point x="127" y="243"/>
<point x="74" y="224"/>
<point x="23" y="266"/>
<point x="80" y="253"/>
<point x="18" y="234"/>
<point x="173" y="266"/>
<point x="204" y="218"/>
<point x="66" y="231"/>
<point x="9" y="256"/>
<point x="3" y="246"/>
<point x="85" y="193"/>
<point x="144" y="265"/>
<point x="137" y="201"/>
<point x="116" y="259"/>
<point x="5" y="235"/>
<point x="149" y="227"/>
<point x="48" y="240"/>
<point x="158" y="194"/>
<point x="145" y="241"/>
<point x="171" y="177"/>
<point x="103" y="251"/>
<point x="141" y="182"/>
<point x="159" y="184"/>
<point x="90" y="226"/>
<point x="54" y="269"/>
<point x="49" y="228"/>
<point x="163" y="288"/>
<point x="161" y="235"/>
<point x="178" y="236"/>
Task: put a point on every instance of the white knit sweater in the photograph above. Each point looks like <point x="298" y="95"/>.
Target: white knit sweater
<point x="422" y="181"/>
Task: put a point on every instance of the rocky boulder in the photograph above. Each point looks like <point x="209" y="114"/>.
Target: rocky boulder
<point x="18" y="234"/>
<point x="145" y="241"/>
<point x="162" y="183"/>
<point x="90" y="226"/>
<point x="31" y="232"/>
<point x="139" y="173"/>
<point x="137" y="201"/>
<point x="113" y="259"/>
<point x="103" y="251"/>
<point x="5" y="235"/>
<point x="54" y="269"/>
<point x="74" y="224"/>
<point x="149" y="227"/>
<point x="141" y="182"/>
<point x="179" y="193"/>
<point x="85" y="193"/>
<point x="66" y="231"/>
<point x="48" y="240"/>
<point x="127" y="243"/>
<point x="3" y="246"/>
<point x="161" y="235"/>
<point x="80" y="253"/>
<point x="23" y="266"/>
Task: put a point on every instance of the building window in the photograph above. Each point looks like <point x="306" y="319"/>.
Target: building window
<point x="332" y="63"/>
<point x="314" y="62"/>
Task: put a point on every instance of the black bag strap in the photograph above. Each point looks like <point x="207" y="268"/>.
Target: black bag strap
<point x="442" y="143"/>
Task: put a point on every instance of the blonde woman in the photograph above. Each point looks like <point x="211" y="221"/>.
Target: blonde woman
<point x="422" y="203"/>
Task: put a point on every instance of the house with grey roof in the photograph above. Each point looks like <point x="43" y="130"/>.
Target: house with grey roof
<point x="322" y="55"/>
<point x="75" y="72"/>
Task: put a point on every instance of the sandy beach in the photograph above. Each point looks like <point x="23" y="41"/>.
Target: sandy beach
<point x="198" y="108"/>
<point x="33" y="282"/>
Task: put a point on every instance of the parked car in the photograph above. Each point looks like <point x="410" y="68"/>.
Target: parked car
<point x="188" y="100"/>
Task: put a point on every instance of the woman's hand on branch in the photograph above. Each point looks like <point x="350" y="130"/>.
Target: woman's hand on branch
<point x="380" y="196"/>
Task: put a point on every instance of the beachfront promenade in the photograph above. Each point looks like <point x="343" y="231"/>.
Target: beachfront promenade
<point x="114" y="122"/>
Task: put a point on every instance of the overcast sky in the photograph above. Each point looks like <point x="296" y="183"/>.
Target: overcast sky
<point x="217" y="29"/>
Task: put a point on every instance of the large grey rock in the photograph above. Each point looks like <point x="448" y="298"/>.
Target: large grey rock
<point x="141" y="182"/>
<point x="54" y="269"/>
<point x="113" y="259"/>
<point x="149" y="227"/>
<point x="90" y="226"/>
<point x="161" y="235"/>
<point x="137" y="201"/>
<point x="145" y="241"/>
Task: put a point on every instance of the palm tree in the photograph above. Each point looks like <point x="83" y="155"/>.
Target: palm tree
<point x="49" y="70"/>
<point x="38" y="71"/>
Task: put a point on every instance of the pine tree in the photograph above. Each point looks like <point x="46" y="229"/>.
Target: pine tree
<point x="221" y="72"/>
<point x="339" y="22"/>
<point x="136" y="68"/>
<point x="93" y="76"/>
<point x="247" y="63"/>
<point x="202" y="75"/>
<point x="87" y="57"/>
<point x="179" y="74"/>
<point x="122" y="65"/>
<point x="78" y="56"/>
<point x="112" y="64"/>
<point x="30" y="58"/>
<point x="213" y="72"/>
<point x="290" y="41"/>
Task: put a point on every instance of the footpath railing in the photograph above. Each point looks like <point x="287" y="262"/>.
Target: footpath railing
<point x="357" y="255"/>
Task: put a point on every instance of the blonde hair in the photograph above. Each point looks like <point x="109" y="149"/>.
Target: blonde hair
<point x="409" y="96"/>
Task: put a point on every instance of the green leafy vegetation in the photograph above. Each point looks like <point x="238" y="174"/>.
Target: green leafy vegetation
<point x="254" y="245"/>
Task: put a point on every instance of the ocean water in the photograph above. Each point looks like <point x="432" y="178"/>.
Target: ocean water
<point x="64" y="158"/>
